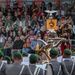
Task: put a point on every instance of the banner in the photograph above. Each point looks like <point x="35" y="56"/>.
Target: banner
<point x="38" y="1"/>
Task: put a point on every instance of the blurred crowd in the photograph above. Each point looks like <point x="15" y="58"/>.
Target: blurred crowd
<point x="20" y="27"/>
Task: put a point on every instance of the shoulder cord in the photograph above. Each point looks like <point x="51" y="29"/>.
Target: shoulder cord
<point x="22" y="70"/>
<point x="36" y="71"/>
<point x="59" y="70"/>
<point x="48" y="64"/>
<point x="1" y="66"/>
<point x="71" y="69"/>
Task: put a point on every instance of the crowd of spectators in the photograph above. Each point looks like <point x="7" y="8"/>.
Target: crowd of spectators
<point x="21" y="27"/>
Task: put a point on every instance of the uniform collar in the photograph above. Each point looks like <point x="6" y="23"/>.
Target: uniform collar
<point x="0" y="60"/>
<point x="53" y="60"/>
<point x="16" y="63"/>
<point x="66" y="59"/>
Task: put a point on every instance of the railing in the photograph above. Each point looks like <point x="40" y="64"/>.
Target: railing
<point x="71" y="41"/>
<point x="29" y="2"/>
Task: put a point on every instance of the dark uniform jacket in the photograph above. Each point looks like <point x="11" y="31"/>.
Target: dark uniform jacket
<point x="33" y="67"/>
<point x="2" y="71"/>
<point x="15" y="69"/>
<point x="56" y="66"/>
<point x="69" y="65"/>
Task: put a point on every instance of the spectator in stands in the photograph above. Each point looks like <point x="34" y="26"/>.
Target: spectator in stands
<point x="18" y="43"/>
<point x="8" y="20"/>
<point x="45" y="38"/>
<point x="19" y="28"/>
<point x="69" y="20"/>
<point x="2" y="36"/>
<point x="40" y="35"/>
<point x="58" y="4"/>
<point x="39" y="12"/>
<point x="11" y="30"/>
<point x="38" y="30"/>
<point x="26" y="23"/>
<point x="19" y="12"/>
<point x="3" y="31"/>
<point x="34" y="21"/>
<point x="43" y="7"/>
<point x="18" y="22"/>
<point x="33" y="8"/>
<point x="25" y="14"/>
<point x="62" y="11"/>
<point x="8" y="46"/>
<point x="36" y="42"/>
<point x="1" y="23"/>
<point x="66" y="7"/>
<point x="30" y="35"/>
<point x="2" y="17"/>
<point x="12" y="36"/>
<point x="42" y="19"/>
<point x="21" y="35"/>
<point x="26" y="46"/>
<point x="50" y="5"/>
<point x="15" y="15"/>
<point x="58" y="16"/>
<point x="2" y="43"/>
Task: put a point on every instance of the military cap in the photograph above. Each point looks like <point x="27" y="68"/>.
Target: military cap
<point x="33" y="58"/>
<point x="24" y="54"/>
<point x="7" y="58"/>
<point x="18" y="55"/>
<point x="54" y="52"/>
<point x="1" y="54"/>
<point x="38" y="58"/>
<point x="67" y="52"/>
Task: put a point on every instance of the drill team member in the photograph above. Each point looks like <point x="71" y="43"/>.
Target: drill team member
<point x="70" y="65"/>
<point x="16" y="68"/>
<point x="2" y="65"/>
<point x="58" y="68"/>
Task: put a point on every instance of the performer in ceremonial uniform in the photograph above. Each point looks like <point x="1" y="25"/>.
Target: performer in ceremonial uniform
<point x="70" y="65"/>
<point x="58" y="68"/>
<point x="2" y="65"/>
<point x="63" y="27"/>
<point x="16" y="68"/>
<point x="32" y="67"/>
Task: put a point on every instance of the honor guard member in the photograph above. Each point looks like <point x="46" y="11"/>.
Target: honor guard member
<point x="34" y="70"/>
<point x="58" y="68"/>
<point x="70" y="65"/>
<point x="16" y="68"/>
<point x="2" y="65"/>
<point x="8" y="59"/>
